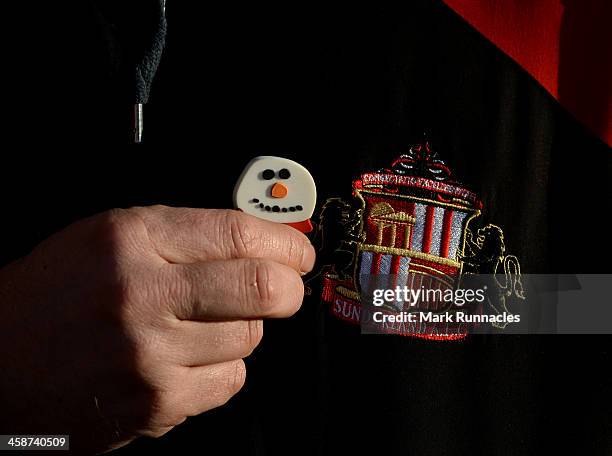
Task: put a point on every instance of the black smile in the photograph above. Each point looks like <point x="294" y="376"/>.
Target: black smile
<point x="266" y="208"/>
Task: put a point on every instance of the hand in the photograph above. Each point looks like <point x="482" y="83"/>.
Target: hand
<point x="128" y="322"/>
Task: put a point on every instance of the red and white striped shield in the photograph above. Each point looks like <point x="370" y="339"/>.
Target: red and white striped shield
<point x="413" y="220"/>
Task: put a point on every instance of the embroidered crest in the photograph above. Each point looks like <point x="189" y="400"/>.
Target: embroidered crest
<point x="415" y="225"/>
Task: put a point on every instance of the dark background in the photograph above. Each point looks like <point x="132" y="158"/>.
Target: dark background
<point x="342" y="90"/>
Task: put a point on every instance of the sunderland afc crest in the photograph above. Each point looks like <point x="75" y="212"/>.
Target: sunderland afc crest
<point x="411" y="226"/>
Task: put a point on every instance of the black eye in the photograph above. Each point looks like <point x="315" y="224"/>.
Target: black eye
<point x="267" y="174"/>
<point x="284" y="173"/>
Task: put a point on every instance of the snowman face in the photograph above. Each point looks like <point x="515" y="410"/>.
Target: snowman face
<point x="276" y="189"/>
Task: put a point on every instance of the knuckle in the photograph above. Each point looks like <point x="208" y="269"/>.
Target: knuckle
<point x="229" y="379"/>
<point x="140" y="301"/>
<point x="127" y="296"/>
<point x="155" y="208"/>
<point x="118" y="229"/>
<point x="235" y="225"/>
<point x="296" y="249"/>
<point x="252" y="335"/>
<point x="261" y="287"/>
<point x="149" y="354"/>
<point x="236" y="377"/>
<point x="111" y="226"/>
<point x="175" y="288"/>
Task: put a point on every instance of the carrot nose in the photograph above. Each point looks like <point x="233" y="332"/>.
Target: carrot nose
<point x="279" y="190"/>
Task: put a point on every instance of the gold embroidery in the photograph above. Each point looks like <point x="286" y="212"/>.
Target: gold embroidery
<point x="486" y="254"/>
<point x="410" y="253"/>
<point x="429" y="268"/>
<point x="382" y="224"/>
<point x="348" y="293"/>
<point x="419" y="199"/>
<point x="384" y="216"/>
<point x="434" y="277"/>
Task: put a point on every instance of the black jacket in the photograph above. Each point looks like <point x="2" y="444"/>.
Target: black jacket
<point x="342" y="91"/>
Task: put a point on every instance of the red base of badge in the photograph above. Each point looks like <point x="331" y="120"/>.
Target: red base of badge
<point x="349" y="309"/>
<point x="304" y="227"/>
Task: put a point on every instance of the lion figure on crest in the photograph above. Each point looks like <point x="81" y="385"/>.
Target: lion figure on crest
<point x="485" y="254"/>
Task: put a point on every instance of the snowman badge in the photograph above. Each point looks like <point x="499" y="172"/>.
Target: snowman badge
<point x="278" y="190"/>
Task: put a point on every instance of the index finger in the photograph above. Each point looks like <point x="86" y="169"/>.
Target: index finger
<point x="184" y="235"/>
